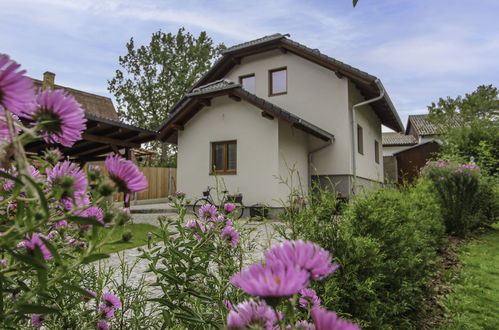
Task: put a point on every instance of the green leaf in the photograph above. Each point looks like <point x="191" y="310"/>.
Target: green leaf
<point x="355" y="2"/>
<point x="76" y="289"/>
<point x="84" y="220"/>
<point x="41" y="195"/>
<point x="94" y="257"/>
<point x="36" y="309"/>
<point x="10" y="177"/>
<point x="35" y="262"/>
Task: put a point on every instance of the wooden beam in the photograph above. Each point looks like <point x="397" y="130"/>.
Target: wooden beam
<point x="205" y="102"/>
<point x="235" y="97"/>
<point x="108" y="140"/>
<point x="267" y="115"/>
<point x="236" y="60"/>
<point x="178" y="127"/>
<point x="338" y="74"/>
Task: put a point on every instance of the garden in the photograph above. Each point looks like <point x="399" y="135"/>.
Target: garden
<point x="373" y="264"/>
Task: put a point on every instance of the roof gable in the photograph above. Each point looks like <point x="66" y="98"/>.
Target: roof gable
<point x="367" y="84"/>
<point x="398" y="139"/>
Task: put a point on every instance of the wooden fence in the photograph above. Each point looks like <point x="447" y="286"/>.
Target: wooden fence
<point x="162" y="183"/>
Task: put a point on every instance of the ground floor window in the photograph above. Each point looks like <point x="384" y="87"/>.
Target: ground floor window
<point x="224" y="157"/>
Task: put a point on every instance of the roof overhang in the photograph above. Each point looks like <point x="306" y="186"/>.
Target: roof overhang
<point x="365" y="82"/>
<point x="101" y="137"/>
<point x="196" y="100"/>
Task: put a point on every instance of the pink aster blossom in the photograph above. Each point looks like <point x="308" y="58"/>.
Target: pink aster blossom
<point x="61" y="223"/>
<point x="74" y="242"/>
<point x="34" y="242"/>
<point x="230" y="235"/>
<point x="36" y="320"/>
<point x="251" y="313"/>
<point x="196" y="225"/>
<point x="306" y="255"/>
<point x="102" y="325"/>
<point x="90" y="295"/>
<point x="272" y="280"/>
<point x="60" y="117"/>
<point x="229" y="207"/>
<point x="304" y="325"/>
<point x="326" y="320"/>
<point x="70" y="177"/>
<point x="125" y="174"/>
<point x="111" y="300"/>
<point x="207" y="211"/>
<point x="16" y="90"/>
<point x="93" y="211"/>
<point x="107" y="312"/>
<point x="309" y="299"/>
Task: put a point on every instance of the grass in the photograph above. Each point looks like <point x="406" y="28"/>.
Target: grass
<point x="139" y="237"/>
<point x="474" y="303"/>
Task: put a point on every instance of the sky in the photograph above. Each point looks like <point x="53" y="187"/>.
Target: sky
<point x="420" y="49"/>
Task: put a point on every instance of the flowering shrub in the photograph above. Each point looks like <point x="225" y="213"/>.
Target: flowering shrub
<point x="282" y="283"/>
<point x="457" y="187"/>
<point x="51" y="224"/>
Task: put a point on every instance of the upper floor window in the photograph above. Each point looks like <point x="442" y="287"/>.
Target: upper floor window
<point x="248" y="82"/>
<point x="278" y="81"/>
<point x="376" y="151"/>
<point x="224" y="157"/>
<point x="360" y="140"/>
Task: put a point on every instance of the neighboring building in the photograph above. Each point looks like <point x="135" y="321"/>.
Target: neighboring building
<point x="405" y="154"/>
<point x="271" y="104"/>
<point x="104" y="134"/>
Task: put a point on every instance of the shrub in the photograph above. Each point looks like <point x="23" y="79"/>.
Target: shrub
<point x="488" y="200"/>
<point x="457" y="188"/>
<point x="385" y="244"/>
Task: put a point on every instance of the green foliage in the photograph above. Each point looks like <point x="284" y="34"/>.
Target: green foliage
<point x="155" y="76"/>
<point x="488" y="200"/>
<point x="139" y="236"/>
<point x="457" y="188"/>
<point x="470" y="128"/>
<point x="385" y="244"/>
<point x="193" y="269"/>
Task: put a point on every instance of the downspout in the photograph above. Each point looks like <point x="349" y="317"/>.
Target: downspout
<point x="328" y="143"/>
<point x="354" y="129"/>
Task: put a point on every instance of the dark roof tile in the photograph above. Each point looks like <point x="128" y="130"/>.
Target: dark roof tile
<point x="398" y="139"/>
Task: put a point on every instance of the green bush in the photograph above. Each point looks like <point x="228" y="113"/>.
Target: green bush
<point x="488" y="200"/>
<point x="457" y="188"/>
<point x="385" y="243"/>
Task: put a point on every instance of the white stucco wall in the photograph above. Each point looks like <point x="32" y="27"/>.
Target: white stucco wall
<point x="257" y="151"/>
<point x="315" y="94"/>
<point x="365" y="117"/>
<point x="293" y="153"/>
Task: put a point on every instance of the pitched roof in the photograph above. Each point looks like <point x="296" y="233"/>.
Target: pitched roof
<point x="421" y="125"/>
<point x="93" y="104"/>
<point x="368" y="84"/>
<point x="398" y="139"/>
<point x="200" y="96"/>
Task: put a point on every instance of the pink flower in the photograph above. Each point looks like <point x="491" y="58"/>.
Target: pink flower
<point x="16" y="90"/>
<point x="61" y="223"/>
<point x="302" y="325"/>
<point x="196" y="225"/>
<point x="125" y="174"/>
<point x="95" y="212"/>
<point x="306" y="255"/>
<point x="35" y="242"/>
<point x="36" y="320"/>
<point x="251" y="313"/>
<point x="458" y="171"/>
<point x="69" y="176"/>
<point x="60" y="118"/>
<point x="90" y="295"/>
<point x="207" y="211"/>
<point x="229" y="207"/>
<point x="309" y="299"/>
<point x="74" y="242"/>
<point x="272" y="280"/>
<point x="230" y="235"/>
<point x="111" y="300"/>
<point x="102" y="325"/>
<point x="107" y="312"/>
<point x="325" y="320"/>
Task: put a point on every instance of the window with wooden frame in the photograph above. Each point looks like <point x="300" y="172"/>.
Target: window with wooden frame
<point x="376" y="151"/>
<point x="224" y="157"/>
<point x="278" y="81"/>
<point x="360" y="140"/>
<point x="248" y="82"/>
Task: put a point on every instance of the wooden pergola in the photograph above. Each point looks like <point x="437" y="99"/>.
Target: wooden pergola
<point x="101" y="137"/>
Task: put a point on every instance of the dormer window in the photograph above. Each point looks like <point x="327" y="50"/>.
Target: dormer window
<point x="278" y="81"/>
<point x="248" y="82"/>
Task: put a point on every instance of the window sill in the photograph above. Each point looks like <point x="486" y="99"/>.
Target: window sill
<point x="222" y="173"/>
<point x="277" y="94"/>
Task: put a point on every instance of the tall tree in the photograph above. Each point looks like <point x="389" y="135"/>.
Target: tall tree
<point x="155" y="76"/>
<point x="470" y="126"/>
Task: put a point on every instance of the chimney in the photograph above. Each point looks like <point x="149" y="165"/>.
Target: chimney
<point x="48" y="80"/>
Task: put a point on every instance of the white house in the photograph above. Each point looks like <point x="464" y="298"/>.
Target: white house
<point x="270" y="104"/>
